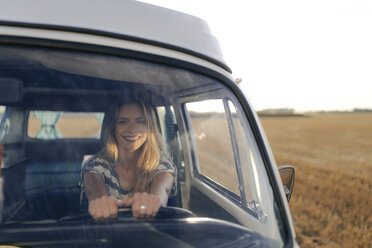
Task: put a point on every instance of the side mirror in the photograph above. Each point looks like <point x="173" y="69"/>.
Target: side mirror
<point x="287" y="174"/>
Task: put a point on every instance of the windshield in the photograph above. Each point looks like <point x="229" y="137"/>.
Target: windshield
<point x="58" y="124"/>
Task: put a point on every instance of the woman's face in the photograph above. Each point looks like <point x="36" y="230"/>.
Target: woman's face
<point x="131" y="127"/>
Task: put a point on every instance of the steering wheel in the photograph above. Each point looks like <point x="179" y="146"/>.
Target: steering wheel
<point x="125" y="212"/>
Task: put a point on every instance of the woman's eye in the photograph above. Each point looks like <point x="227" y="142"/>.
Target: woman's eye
<point x="141" y="122"/>
<point x="122" y="122"/>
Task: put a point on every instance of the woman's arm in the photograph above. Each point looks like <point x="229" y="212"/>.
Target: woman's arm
<point x="101" y="206"/>
<point x="145" y="205"/>
<point x="162" y="187"/>
<point x="94" y="186"/>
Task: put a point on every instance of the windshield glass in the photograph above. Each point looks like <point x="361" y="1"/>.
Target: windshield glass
<point x="60" y="127"/>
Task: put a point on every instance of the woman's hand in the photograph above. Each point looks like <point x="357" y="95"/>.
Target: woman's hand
<point x="144" y="205"/>
<point x="104" y="207"/>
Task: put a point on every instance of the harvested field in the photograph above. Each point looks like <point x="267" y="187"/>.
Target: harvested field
<point x="332" y="155"/>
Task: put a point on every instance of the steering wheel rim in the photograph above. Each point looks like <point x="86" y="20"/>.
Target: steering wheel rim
<point x="126" y="212"/>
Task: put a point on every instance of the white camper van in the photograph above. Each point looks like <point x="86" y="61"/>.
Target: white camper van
<point x="62" y="63"/>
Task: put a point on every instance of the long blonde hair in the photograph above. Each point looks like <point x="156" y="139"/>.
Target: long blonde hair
<point x="152" y="151"/>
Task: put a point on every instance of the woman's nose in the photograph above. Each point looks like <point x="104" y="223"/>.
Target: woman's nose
<point x="132" y="127"/>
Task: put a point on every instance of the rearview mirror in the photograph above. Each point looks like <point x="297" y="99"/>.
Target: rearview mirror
<point x="10" y="91"/>
<point x="287" y="174"/>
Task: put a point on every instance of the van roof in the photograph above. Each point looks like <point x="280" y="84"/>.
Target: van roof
<point x="131" y="19"/>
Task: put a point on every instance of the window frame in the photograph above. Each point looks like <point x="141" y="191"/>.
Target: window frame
<point x="217" y="94"/>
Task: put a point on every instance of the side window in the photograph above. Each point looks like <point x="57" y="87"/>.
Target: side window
<point x="246" y="159"/>
<point x="51" y="125"/>
<point x="226" y="152"/>
<point x="250" y="164"/>
<point x="211" y="133"/>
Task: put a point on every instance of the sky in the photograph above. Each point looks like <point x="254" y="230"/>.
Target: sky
<point x="305" y="55"/>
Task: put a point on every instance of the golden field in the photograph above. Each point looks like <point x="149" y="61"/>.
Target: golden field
<point x="332" y="153"/>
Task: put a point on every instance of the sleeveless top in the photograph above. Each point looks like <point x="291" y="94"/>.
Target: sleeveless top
<point x="110" y="177"/>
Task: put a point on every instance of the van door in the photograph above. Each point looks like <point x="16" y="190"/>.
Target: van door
<point x="216" y="183"/>
<point x="226" y="177"/>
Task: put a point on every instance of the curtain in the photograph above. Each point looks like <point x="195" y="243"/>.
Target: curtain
<point x="4" y="125"/>
<point x="48" y="121"/>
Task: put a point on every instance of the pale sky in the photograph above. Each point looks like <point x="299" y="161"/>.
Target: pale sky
<point x="306" y="55"/>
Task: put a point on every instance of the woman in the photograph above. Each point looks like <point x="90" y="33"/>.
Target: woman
<point x="131" y="169"/>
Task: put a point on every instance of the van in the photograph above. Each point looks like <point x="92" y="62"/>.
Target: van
<point x="61" y="65"/>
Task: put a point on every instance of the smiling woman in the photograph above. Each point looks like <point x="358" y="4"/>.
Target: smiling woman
<point x="132" y="169"/>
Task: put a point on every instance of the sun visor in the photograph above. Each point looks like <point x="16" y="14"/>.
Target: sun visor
<point x="11" y="91"/>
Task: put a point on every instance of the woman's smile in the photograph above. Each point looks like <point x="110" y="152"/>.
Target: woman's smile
<point x="131" y="138"/>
